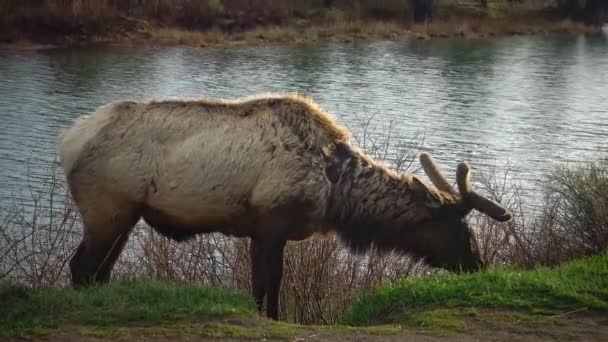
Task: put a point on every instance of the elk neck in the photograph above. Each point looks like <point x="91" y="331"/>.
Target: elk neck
<point x="371" y="205"/>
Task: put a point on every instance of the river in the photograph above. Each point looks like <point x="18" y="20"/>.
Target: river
<point x="524" y="103"/>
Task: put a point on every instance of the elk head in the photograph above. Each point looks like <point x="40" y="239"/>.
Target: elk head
<point x="446" y="240"/>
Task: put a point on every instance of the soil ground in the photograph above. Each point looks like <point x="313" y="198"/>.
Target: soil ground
<point x="573" y="327"/>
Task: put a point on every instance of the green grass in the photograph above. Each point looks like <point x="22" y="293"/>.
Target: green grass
<point x="437" y="319"/>
<point x="199" y="329"/>
<point x="582" y="284"/>
<point x="260" y="329"/>
<point x="444" y="302"/>
<point x="36" y="310"/>
<point x="147" y="308"/>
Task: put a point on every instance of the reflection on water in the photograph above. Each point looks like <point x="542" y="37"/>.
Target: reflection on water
<point x="524" y="101"/>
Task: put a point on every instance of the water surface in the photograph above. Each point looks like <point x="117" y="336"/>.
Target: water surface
<point x="525" y="102"/>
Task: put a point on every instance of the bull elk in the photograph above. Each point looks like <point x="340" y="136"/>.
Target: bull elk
<point x="272" y="168"/>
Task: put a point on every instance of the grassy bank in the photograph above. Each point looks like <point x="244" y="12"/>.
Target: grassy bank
<point x="36" y="310"/>
<point x="441" y="302"/>
<point x="209" y="22"/>
<point x="580" y="285"/>
<point x="146" y="308"/>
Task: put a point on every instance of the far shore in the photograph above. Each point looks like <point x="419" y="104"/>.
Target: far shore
<point x="147" y="34"/>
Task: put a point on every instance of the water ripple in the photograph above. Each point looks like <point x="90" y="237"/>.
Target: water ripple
<point x="527" y="102"/>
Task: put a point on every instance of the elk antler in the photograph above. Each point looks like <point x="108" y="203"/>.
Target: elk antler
<point x="477" y="201"/>
<point x="434" y="173"/>
<point x="471" y="198"/>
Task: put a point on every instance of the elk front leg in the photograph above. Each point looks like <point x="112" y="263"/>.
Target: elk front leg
<point x="267" y="273"/>
<point x="258" y="273"/>
<point x="274" y="278"/>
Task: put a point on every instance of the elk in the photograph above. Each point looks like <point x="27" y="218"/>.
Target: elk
<point x="272" y="168"/>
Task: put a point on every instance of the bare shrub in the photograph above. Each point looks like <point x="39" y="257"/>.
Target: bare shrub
<point x="210" y="258"/>
<point x="499" y="242"/>
<point x="38" y="238"/>
<point x="579" y="198"/>
<point x="322" y="278"/>
<point x="378" y="139"/>
<point x="571" y="220"/>
<point x="529" y="239"/>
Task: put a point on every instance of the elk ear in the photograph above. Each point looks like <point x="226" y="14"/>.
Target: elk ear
<point x="335" y="161"/>
<point x="422" y="192"/>
<point x="332" y="170"/>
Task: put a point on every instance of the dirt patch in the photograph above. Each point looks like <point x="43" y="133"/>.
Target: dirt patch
<point x="487" y="326"/>
<point x="576" y="328"/>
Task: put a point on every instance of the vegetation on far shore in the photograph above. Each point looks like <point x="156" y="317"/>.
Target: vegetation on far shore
<point x="436" y="302"/>
<point x="208" y="22"/>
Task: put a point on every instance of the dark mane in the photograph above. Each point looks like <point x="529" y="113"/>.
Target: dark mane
<point x="370" y="203"/>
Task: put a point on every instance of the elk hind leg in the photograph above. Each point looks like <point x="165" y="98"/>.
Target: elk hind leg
<point x="105" y="272"/>
<point x="105" y="234"/>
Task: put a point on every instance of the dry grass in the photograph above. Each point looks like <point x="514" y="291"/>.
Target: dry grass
<point x="340" y="31"/>
<point x="181" y="36"/>
<point x="473" y="27"/>
<point x="208" y="22"/>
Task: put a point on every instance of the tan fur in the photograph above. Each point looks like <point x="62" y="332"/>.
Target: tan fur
<point x="204" y="162"/>
<point x="84" y="129"/>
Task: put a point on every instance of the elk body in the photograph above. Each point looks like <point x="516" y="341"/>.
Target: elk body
<point x="272" y="168"/>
